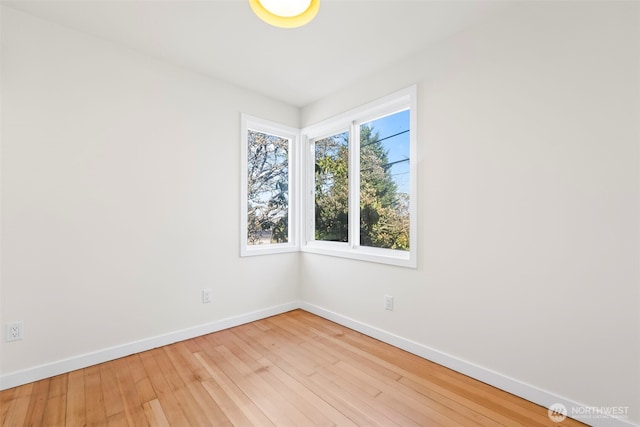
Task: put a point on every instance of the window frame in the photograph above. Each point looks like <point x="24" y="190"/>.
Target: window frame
<point x="251" y="123"/>
<point x="309" y="167"/>
<point x="405" y="99"/>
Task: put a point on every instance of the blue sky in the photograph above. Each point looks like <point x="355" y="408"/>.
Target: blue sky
<point x="397" y="146"/>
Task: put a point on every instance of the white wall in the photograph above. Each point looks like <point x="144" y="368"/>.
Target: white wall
<point x="529" y="203"/>
<point x="120" y="196"/>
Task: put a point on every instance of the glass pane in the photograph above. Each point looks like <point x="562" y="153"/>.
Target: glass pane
<point x="268" y="189"/>
<point x="332" y="188"/>
<point x="384" y="182"/>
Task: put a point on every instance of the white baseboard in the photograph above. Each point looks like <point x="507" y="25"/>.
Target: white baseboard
<point x="48" y="370"/>
<point x="513" y="386"/>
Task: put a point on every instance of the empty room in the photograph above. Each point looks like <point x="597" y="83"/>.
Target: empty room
<point x="319" y="212"/>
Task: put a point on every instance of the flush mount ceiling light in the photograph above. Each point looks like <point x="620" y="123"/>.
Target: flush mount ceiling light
<point x="285" y="13"/>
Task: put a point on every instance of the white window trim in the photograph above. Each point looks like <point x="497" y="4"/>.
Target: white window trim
<point x="403" y="99"/>
<point x="293" y="135"/>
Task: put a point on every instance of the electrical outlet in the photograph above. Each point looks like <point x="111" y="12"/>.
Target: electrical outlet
<point x="207" y="294"/>
<point x="388" y="302"/>
<point x="15" y="331"/>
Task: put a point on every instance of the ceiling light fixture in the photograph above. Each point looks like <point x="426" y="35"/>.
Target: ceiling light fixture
<point x="285" y="13"/>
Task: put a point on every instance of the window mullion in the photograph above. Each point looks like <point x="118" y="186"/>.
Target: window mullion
<point x="354" y="185"/>
<point x="309" y="189"/>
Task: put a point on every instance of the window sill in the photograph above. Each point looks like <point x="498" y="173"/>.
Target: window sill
<point x="377" y="255"/>
<point x="268" y="249"/>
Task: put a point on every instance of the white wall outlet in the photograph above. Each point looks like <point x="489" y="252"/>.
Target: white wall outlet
<point x="15" y="331"/>
<point x="388" y="302"/>
<point x="207" y="294"/>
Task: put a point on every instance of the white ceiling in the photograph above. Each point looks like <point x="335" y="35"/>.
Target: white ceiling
<point x="349" y="39"/>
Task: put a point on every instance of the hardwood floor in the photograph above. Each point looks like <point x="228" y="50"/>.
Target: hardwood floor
<point x="294" y="369"/>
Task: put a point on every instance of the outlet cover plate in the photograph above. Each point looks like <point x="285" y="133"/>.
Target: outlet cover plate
<point x="15" y="331"/>
<point x="207" y="295"/>
<point x="388" y="302"/>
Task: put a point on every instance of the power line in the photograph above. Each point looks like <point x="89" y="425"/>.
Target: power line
<point x="385" y="138"/>
<point x="386" y="166"/>
<point x="394" y="163"/>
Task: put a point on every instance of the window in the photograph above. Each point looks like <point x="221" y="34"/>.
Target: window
<point x="331" y="188"/>
<point x="384" y="182"/>
<point x="360" y="182"/>
<point x="268" y="183"/>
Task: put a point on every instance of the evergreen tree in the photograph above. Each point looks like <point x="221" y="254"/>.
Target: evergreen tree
<point x="384" y="215"/>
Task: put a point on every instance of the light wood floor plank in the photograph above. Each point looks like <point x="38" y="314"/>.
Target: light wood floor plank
<point x="17" y="410"/>
<point x="354" y="404"/>
<point x="112" y="401"/>
<point x="118" y="420"/>
<point x="139" y="376"/>
<point x="319" y="411"/>
<point x="329" y="414"/>
<point x="94" y="399"/>
<point x="250" y="358"/>
<point x="234" y="414"/>
<point x="269" y="339"/>
<point x="343" y="406"/>
<point x="170" y="405"/>
<point x="155" y="414"/>
<point x="38" y="402"/>
<point x="294" y="369"/>
<point x="75" y="410"/>
<point x="6" y="397"/>
<point x="131" y="399"/>
<point x="183" y="366"/>
<point x="194" y="413"/>
<point x="268" y="399"/>
<point x="55" y="410"/>
<point x="235" y="395"/>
